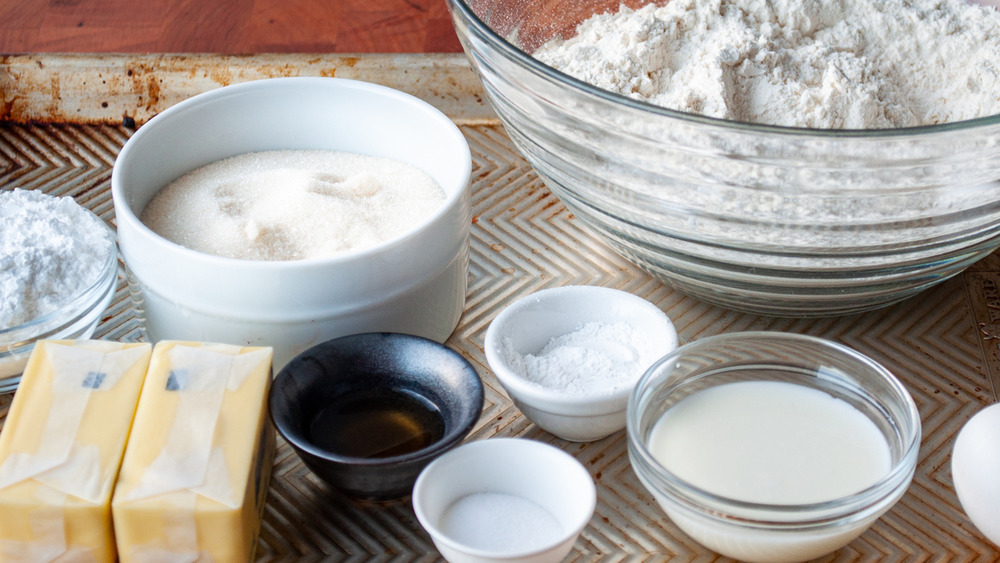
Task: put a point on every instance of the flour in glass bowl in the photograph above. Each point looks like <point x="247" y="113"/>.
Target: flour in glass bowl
<point x="827" y="64"/>
<point x="293" y="204"/>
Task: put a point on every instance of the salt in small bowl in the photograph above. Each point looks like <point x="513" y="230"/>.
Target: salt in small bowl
<point x="585" y="409"/>
<point x="505" y="500"/>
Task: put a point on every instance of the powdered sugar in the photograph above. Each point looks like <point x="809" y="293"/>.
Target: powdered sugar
<point x="51" y="249"/>
<point x="596" y="357"/>
<point x="855" y="64"/>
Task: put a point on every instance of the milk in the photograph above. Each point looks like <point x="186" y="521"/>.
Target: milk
<point x="771" y="443"/>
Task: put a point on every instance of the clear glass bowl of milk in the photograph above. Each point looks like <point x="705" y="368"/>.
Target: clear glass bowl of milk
<point x="767" y="446"/>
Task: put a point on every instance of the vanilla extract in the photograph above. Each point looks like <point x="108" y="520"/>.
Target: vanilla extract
<point x="377" y="423"/>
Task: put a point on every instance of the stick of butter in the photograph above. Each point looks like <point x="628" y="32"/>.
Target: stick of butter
<point x="198" y="461"/>
<point x="61" y="446"/>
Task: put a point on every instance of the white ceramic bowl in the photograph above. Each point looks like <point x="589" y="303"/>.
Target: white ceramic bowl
<point x="527" y="325"/>
<point x="412" y="284"/>
<point x="527" y="470"/>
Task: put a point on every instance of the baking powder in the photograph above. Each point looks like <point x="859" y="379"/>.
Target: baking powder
<point x="50" y="250"/>
<point x="596" y="357"/>
<point x="839" y="64"/>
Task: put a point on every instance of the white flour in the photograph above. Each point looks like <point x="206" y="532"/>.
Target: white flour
<point x="50" y="250"/>
<point x="293" y="204"/>
<point x="839" y="64"/>
<point x="596" y="357"/>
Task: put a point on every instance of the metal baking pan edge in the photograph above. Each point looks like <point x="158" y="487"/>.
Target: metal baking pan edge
<point x="130" y="89"/>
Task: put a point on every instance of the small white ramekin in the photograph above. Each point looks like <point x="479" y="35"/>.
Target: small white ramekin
<point x="528" y="324"/>
<point x="533" y="471"/>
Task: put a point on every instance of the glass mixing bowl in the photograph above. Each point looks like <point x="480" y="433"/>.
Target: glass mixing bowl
<point x="765" y="219"/>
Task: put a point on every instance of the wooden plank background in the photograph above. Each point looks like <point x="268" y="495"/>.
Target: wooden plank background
<point x="230" y="27"/>
<point x="226" y="26"/>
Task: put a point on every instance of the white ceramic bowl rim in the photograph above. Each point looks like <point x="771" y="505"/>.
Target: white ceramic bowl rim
<point x="81" y="302"/>
<point x="452" y="197"/>
<point x="694" y="499"/>
<point x="530" y="63"/>
<point x="507" y="443"/>
<point x="552" y="400"/>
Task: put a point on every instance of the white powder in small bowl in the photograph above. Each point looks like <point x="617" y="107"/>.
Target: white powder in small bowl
<point x="500" y="522"/>
<point x="595" y="358"/>
<point x="293" y="204"/>
<point x="51" y="249"/>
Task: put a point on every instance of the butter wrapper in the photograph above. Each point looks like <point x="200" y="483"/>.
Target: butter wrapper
<point x="61" y="447"/>
<point x="196" y="469"/>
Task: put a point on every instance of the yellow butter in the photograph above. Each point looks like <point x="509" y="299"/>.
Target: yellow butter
<point x="61" y="447"/>
<point x="195" y="473"/>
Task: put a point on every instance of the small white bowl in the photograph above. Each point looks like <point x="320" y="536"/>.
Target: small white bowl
<point x="528" y="473"/>
<point x="413" y="284"/>
<point x="527" y="325"/>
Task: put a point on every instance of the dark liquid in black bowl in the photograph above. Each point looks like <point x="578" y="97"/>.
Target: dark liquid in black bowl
<point x="376" y="423"/>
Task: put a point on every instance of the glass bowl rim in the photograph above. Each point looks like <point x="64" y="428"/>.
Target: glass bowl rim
<point x="529" y="63"/>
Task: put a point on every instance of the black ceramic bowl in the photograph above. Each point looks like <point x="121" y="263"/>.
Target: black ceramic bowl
<point x="367" y="412"/>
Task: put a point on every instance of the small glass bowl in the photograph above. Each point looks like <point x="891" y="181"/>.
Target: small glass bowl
<point x="752" y="531"/>
<point x="76" y="319"/>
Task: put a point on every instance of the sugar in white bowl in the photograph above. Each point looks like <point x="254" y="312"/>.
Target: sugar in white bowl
<point x="413" y="283"/>
<point x="293" y="204"/>
<point x="495" y="521"/>
<point x="505" y="500"/>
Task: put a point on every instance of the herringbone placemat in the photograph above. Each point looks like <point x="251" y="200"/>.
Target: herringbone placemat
<point x="941" y="344"/>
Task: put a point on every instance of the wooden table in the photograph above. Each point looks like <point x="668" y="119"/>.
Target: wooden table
<point x="226" y="26"/>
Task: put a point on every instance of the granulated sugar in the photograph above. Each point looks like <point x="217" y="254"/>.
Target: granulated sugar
<point x="51" y="249"/>
<point x="838" y="64"/>
<point x="500" y="522"/>
<point x="293" y="204"/>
